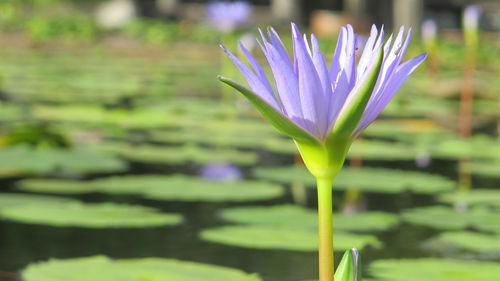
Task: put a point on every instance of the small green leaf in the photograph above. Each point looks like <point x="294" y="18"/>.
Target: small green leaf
<point x="276" y="118"/>
<point x="351" y="113"/>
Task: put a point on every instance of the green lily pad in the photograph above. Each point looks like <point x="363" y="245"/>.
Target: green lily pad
<point x="17" y="199"/>
<point x="487" y="169"/>
<point x="489" y="197"/>
<point x="381" y="150"/>
<point x="100" y="268"/>
<point x="477" y="147"/>
<point x="272" y="238"/>
<point x="365" y="179"/>
<point x="446" y="218"/>
<point x="161" y="187"/>
<point x="78" y="214"/>
<point x="431" y="269"/>
<point x="56" y="186"/>
<point x="22" y="160"/>
<point x="403" y="128"/>
<point x="178" y="154"/>
<point x="231" y="139"/>
<point x="296" y="217"/>
<point x="470" y="241"/>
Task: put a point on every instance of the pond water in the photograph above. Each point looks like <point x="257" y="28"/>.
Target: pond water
<point x="138" y="120"/>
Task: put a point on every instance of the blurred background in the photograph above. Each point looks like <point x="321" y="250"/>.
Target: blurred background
<point x="117" y="139"/>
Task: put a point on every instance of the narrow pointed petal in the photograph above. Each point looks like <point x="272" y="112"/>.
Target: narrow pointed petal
<point x="287" y="84"/>
<point x="324" y="76"/>
<point x="393" y="86"/>
<point x="367" y="51"/>
<point x="310" y="89"/>
<point x="274" y="116"/>
<point x="254" y="81"/>
<point x="257" y="68"/>
<point x="336" y="66"/>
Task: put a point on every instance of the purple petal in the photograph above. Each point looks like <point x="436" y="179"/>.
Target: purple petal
<point x="395" y="82"/>
<point x="310" y="90"/>
<point x="256" y="84"/>
<point x="287" y="84"/>
<point x="257" y="68"/>
<point x="324" y="76"/>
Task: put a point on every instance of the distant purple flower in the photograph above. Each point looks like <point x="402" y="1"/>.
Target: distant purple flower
<point x="471" y="17"/>
<point x="226" y="15"/>
<point x="429" y="30"/>
<point x="220" y="172"/>
<point x="312" y="95"/>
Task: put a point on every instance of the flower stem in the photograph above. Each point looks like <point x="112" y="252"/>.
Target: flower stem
<point x="325" y="228"/>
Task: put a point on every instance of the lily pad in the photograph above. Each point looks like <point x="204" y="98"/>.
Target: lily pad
<point x="403" y="128"/>
<point x="238" y="133"/>
<point x="446" y="218"/>
<point x="178" y="154"/>
<point x="477" y="147"/>
<point x="489" y="197"/>
<point x="272" y="238"/>
<point x="431" y="269"/>
<point x="487" y="169"/>
<point x="100" y="268"/>
<point x="18" y="199"/>
<point x="296" y="217"/>
<point x="381" y="150"/>
<point x="365" y="179"/>
<point x="76" y="214"/>
<point x="22" y="160"/>
<point x="470" y="241"/>
<point x="161" y="187"/>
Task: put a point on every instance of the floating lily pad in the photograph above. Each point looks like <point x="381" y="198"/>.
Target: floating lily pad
<point x="477" y="147"/>
<point x="365" y="179"/>
<point x="241" y="133"/>
<point x="272" y="238"/>
<point x="57" y="186"/>
<point x="433" y="270"/>
<point x="178" y="154"/>
<point x="22" y="160"/>
<point x="381" y="150"/>
<point x="296" y="217"/>
<point x="403" y="128"/>
<point x="470" y="241"/>
<point x="488" y="169"/>
<point x="490" y="197"/>
<point x="161" y="187"/>
<point x="78" y="214"/>
<point x="446" y="218"/>
<point x="18" y="199"/>
<point x="100" y="268"/>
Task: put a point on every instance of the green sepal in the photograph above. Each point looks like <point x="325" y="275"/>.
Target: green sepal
<point x="349" y="268"/>
<point x="276" y="118"/>
<point x="350" y="115"/>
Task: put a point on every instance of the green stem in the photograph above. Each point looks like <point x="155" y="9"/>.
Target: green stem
<point x="325" y="228"/>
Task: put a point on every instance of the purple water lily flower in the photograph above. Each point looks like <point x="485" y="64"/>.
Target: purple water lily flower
<point x="314" y="94"/>
<point x="226" y="15"/>
<point x="429" y="30"/>
<point x="471" y="17"/>
<point x="221" y="172"/>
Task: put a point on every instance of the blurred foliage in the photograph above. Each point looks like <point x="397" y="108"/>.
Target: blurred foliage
<point x="66" y="28"/>
<point x="153" y="31"/>
<point x="35" y="135"/>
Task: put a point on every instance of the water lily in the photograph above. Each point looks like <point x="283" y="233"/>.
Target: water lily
<point x="470" y="21"/>
<point x="322" y="106"/>
<point x="226" y="15"/>
<point x="429" y="33"/>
